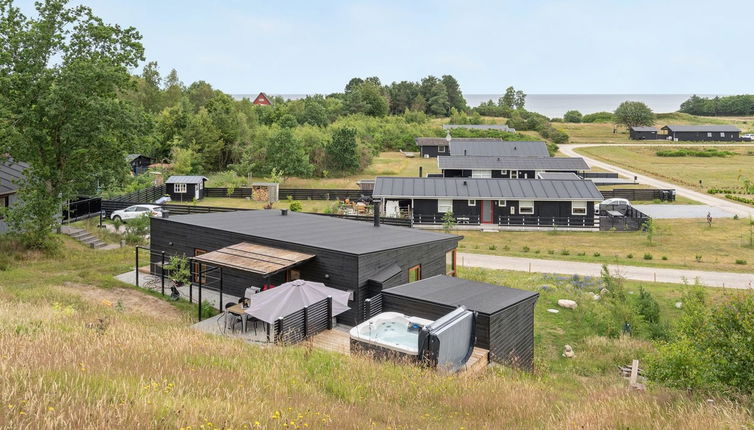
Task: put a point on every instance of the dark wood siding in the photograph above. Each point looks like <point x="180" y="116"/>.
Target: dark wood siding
<point x="643" y="135"/>
<point x="341" y="268"/>
<point x="433" y="151"/>
<point x="702" y="136"/>
<point x="559" y="209"/>
<point x="188" y="196"/>
<point x="512" y="335"/>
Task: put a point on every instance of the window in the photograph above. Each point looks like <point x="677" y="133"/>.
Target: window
<point x="444" y="205"/>
<point x="722" y="134"/>
<point x="514" y="174"/>
<point x="415" y="273"/>
<point x="578" y="208"/>
<point x="503" y="172"/>
<point x="450" y="263"/>
<point x="472" y="202"/>
<point x="501" y="203"/>
<point x="513" y="210"/>
<point x="526" y="207"/>
<point x="441" y="149"/>
<point x="526" y="176"/>
<point x="709" y="134"/>
<point x="179" y="188"/>
<point x="481" y="173"/>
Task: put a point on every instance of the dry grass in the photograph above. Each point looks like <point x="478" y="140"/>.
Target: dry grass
<point x="680" y="240"/>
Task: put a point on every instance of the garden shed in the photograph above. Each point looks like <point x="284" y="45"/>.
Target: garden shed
<point x="185" y="188"/>
<point x="505" y="316"/>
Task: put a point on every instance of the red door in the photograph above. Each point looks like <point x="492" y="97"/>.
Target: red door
<point x="487" y="212"/>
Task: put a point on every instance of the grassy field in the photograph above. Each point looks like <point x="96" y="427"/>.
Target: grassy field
<point x="316" y="206"/>
<point x="680" y="241"/>
<point x="715" y="172"/>
<point x="79" y="349"/>
<point x="603" y="132"/>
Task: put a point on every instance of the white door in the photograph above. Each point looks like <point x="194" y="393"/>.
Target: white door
<point x="481" y="173"/>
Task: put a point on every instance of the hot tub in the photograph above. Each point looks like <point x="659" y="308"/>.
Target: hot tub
<point x="389" y="335"/>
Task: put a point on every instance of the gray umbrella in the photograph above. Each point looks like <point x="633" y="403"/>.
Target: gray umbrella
<point x="292" y="296"/>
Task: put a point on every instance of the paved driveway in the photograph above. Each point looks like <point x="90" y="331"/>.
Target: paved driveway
<point x="683" y="211"/>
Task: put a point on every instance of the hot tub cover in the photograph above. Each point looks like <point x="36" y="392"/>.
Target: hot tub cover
<point x="293" y="296"/>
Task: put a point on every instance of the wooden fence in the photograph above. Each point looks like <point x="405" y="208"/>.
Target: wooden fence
<point x="146" y="195"/>
<point x="304" y="323"/>
<point x="295" y="193"/>
<point x="640" y="194"/>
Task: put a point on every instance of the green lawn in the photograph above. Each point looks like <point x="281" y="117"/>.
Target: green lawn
<point x="679" y="240"/>
<point x="715" y="172"/>
<point x="80" y="349"/>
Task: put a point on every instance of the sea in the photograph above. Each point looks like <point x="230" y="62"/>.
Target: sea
<point x="555" y="105"/>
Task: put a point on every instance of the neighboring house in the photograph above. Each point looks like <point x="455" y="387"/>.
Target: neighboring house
<point x="138" y="163"/>
<point x="436" y="146"/>
<point x="256" y="248"/>
<point x="507" y="167"/>
<point x="185" y="188"/>
<point x="506" y="148"/>
<point x="642" y="133"/>
<point x="501" y="127"/>
<point x="262" y="99"/>
<point x="493" y="202"/>
<point x="700" y="132"/>
<point x="10" y="174"/>
<point x="562" y="176"/>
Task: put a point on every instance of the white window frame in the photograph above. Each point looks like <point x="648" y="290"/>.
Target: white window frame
<point x="503" y="172"/>
<point x="722" y="134"/>
<point x="442" y="149"/>
<point x="444" y="205"/>
<point x="501" y="203"/>
<point x="709" y="134"/>
<point x="578" y="208"/>
<point x="513" y="210"/>
<point x="481" y="173"/>
<point x="526" y="207"/>
<point x="514" y="174"/>
<point x="179" y="188"/>
<point x="472" y="202"/>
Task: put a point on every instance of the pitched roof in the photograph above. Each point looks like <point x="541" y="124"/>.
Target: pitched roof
<point x="441" y="141"/>
<point x="10" y="173"/>
<point x="642" y="128"/>
<point x="702" y="128"/>
<point x="500" y="149"/>
<point x="501" y="127"/>
<point x="513" y="163"/>
<point x="185" y="179"/>
<point x="477" y="296"/>
<point x="317" y="231"/>
<point x="563" y="176"/>
<point x="132" y="157"/>
<point x="492" y="189"/>
<point x="262" y="99"/>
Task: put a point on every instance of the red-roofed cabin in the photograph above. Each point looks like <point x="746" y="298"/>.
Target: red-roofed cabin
<point x="262" y="100"/>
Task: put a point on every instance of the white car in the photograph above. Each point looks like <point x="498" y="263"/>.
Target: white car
<point x="747" y="136"/>
<point x="615" y="202"/>
<point x="136" y="211"/>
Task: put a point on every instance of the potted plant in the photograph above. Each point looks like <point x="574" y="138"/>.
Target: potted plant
<point x="178" y="270"/>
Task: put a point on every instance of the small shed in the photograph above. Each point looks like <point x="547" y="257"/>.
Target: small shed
<point x="138" y="163"/>
<point x="505" y="316"/>
<point x="642" y="133"/>
<point x="185" y="188"/>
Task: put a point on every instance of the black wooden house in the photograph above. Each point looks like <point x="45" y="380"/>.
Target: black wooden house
<point x="505" y="316"/>
<point x="506" y="148"/>
<point x="701" y="133"/>
<point x="348" y="255"/>
<point x="185" y="188"/>
<point x="438" y="146"/>
<point x="10" y="174"/>
<point x="642" y="133"/>
<point x="138" y="163"/>
<point x="507" y="167"/>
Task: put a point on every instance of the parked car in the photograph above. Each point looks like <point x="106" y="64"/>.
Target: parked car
<point x="136" y="211"/>
<point x="747" y="136"/>
<point x="614" y="205"/>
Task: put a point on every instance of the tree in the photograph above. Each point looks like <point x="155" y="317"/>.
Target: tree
<point x="60" y="76"/>
<point x="199" y="93"/>
<point x="633" y="114"/>
<point x="285" y="153"/>
<point x="519" y="100"/>
<point x="448" y="222"/>
<point x="438" y="103"/>
<point x="572" y="116"/>
<point x="173" y="89"/>
<point x="455" y="96"/>
<point x="342" y="153"/>
<point x="508" y="99"/>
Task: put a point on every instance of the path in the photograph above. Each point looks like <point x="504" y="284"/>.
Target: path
<point x="675" y="276"/>
<point x="724" y="204"/>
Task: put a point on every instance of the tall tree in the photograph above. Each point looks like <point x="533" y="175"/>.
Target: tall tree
<point x="286" y="154"/>
<point x="342" y="153"/>
<point x="508" y="99"/>
<point x="633" y="114"/>
<point x="60" y="75"/>
<point x="438" y="103"/>
<point x="455" y="96"/>
<point x="173" y="89"/>
<point x="199" y="93"/>
<point x="519" y="100"/>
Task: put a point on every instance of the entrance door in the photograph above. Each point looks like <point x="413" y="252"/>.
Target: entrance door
<point x="198" y="267"/>
<point x="487" y="212"/>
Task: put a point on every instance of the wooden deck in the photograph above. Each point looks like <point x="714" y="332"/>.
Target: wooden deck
<point x="339" y="341"/>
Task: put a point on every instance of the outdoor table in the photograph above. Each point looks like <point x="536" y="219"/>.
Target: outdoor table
<point x="239" y="310"/>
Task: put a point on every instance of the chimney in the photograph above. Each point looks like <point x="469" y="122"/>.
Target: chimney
<point x="376" y="213"/>
<point x="447" y="137"/>
<point x="283" y="212"/>
<point x="421" y="170"/>
<point x="464" y="152"/>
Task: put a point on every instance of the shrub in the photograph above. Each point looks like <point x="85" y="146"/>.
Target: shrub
<point x="665" y="257"/>
<point x="683" y="152"/>
<point x="506" y="248"/>
<point x="525" y="249"/>
<point x="741" y="262"/>
<point x="596" y="254"/>
<point x="565" y="252"/>
<point x="492" y="247"/>
<point x="698" y="258"/>
<point x="572" y="116"/>
<point x="581" y="254"/>
<point x="647" y="256"/>
<point x="630" y="256"/>
<point x="294" y="205"/>
<point x="551" y="251"/>
<point x="601" y="117"/>
<point x="536" y="251"/>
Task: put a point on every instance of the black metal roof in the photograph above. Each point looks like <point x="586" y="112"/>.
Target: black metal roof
<point x="500" y="149"/>
<point x="443" y="141"/>
<point x="490" y="189"/>
<point x="642" y="128"/>
<point x="702" y="128"/>
<point x="352" y="237"/>
<point x="446" y="290"/>
<point x="177" y="179"/>
<point x="512" y="163"/>
<point x="10" y="173"/>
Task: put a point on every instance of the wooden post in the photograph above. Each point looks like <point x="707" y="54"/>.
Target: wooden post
<point x="137" y="266"/>
<point x="329" y="312"/>
<point x="162" y="271"/>
<point x="220" y="306"/>
<point x="634" y="373"/>
<point x="306" y="322"/>
<point x="199" y="299"/>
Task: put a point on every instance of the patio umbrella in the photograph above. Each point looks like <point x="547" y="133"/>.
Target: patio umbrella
<point x="292" y="296"/>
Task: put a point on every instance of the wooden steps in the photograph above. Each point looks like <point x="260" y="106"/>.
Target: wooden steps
<point x="84" y="237"/>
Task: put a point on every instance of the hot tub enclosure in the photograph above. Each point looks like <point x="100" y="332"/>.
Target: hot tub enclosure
<point x="505" y="316"/>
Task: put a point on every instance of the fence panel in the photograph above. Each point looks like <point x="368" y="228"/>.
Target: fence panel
<point x="400" y="222"/>
<point x="141" y="196"/>
<point x="323" y="194"/>
<point x="641" y="194"/>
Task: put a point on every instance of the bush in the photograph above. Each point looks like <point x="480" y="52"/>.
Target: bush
<point x="492" y="247"/>
<point x="665" y="257"/>
<point x="741" y="262"/>
<point x="573" y="116"/>
<point x="596" y="254"/>
<point x="525" y="249"/>
<point x="581" y="254"/>
<point x="294" y="205"/>
<point x="565" y="252"/>
<point x="630" y="256"/>
<point x="551" y="251"/>
<point x="601" y="117"/>
<point x="709" y="152"/>
<point x="647" y="256"/>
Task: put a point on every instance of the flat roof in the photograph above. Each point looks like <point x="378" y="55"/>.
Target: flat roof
<point x="250" y="257"/>
<point x="512" y="163"/>
<point x="486" y="189"/>
<point x="446" y="290"/>
<point x="702" y="128"/>
<point x="506" y="148"/>
<point x="443" y="141"/>
<point x="317" y="231"/>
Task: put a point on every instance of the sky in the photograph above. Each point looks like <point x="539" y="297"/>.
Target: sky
<point x="539" y="46"/>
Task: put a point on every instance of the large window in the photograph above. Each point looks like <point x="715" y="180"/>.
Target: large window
<point x="722" y="134"/>
<point x="415" y="273"/>
<point x="444" y="205"/>
<point x="578" y="208"/>
<point x="179" y="188"/>
<point x="709" y="134"/>
<point x="450" y="263"/>
<point x="526" y="207"/>
<point x="481" y="173"/>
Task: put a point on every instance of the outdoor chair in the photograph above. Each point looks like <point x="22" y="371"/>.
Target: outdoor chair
<point x="231" y="319"/>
